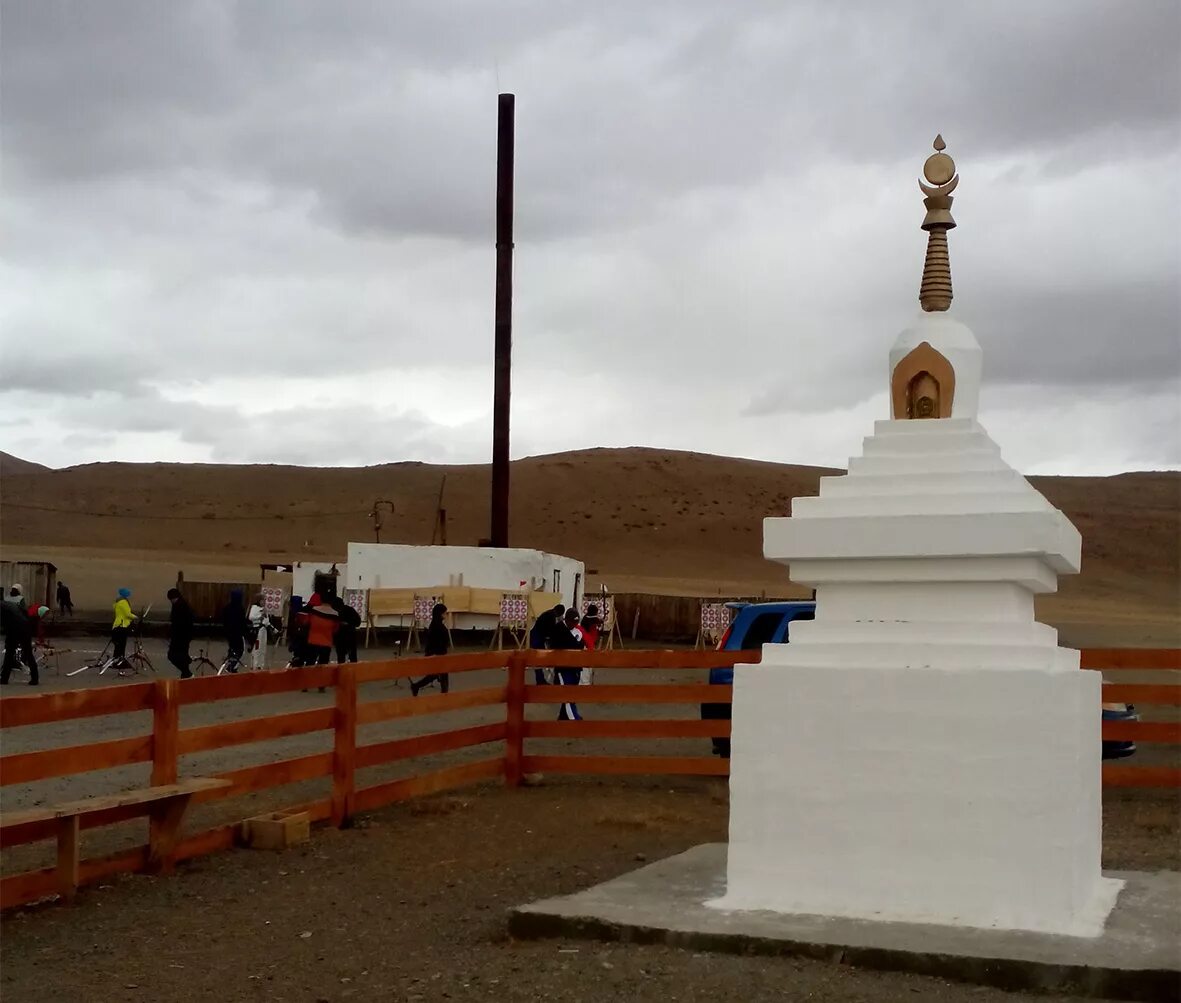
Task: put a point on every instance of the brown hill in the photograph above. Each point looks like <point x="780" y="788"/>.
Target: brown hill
<point x="640" y="518"/>
<point x="14" y="466"/>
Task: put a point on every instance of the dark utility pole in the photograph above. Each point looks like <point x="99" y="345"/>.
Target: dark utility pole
<point x="504" y="320"/>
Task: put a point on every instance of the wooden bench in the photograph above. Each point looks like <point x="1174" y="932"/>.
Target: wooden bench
<point x="164" y="805"/>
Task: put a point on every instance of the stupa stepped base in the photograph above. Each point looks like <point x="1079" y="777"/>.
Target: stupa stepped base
<point x="967" y="796"/>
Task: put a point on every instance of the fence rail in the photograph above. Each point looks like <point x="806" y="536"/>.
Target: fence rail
<point x="506" y="740"/>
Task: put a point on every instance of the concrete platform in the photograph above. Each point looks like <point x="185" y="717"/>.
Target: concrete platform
<point x="1138" y="957"/>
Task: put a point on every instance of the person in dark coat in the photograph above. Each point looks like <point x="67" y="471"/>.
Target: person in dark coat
<point x="233" y="620"/>
<point x="567" y="636"/>
<point x="18" y="636"/>
<point x="180" y="634"/>
<point x="346" y="630"/>
<point x="64" y="603"/>
<point x="539" y="636"/>
<point x="438" y="641"/>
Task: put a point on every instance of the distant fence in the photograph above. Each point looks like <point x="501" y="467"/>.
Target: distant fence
<point x="208" y="599"/>
<point x="507" y="756"/>
<point x="669" y="618"/>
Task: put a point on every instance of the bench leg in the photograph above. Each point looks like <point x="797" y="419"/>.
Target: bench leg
<point x="68" y="855"/>
<point x="163" y="830"/>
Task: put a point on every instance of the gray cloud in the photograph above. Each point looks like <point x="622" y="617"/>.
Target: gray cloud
<point x="716" y="208"/>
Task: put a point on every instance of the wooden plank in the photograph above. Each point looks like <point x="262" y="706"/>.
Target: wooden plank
<point x="666" y="728"/>
<point x="1143" y="731"/>
<point x="1130" y="658"/>
<point x="69" y="848"/>
<point x="210" y="841"/>
<point x="28" y="886"/>
<point x="124" y="799"/>
<point x="1141" y="776"/>
<point x="514" y="731"/>
<point x="44" y="828"/>
<point x="25" y="767"/>
<point x="344" y="745"/>
<point x="641" y="693"/>
<point x="369" y="798"/>
<point x="165" y="723"/>
<point x="373" y="711"/>
<point x="258" y="778"/>
<point x="678" y="765"/>
<point x="123" y="862"/>
<point x="425" y="745"/>
<point x="20" y="889"/>
<point x="64" y="705"/>
<point x="317" y="811"/>
<point x="255" y="729"/>
<point x="648" y="659"/>
<point x="410" y="668"/>
<point x="1164" y="694"/>
<point x="164" y="829"/>
<point x="255" y="684"/>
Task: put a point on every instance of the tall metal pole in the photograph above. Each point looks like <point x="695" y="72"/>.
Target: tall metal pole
<point x="504" y="320"/>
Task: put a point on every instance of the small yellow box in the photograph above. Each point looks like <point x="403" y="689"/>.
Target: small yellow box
<point x="277" y="830"/>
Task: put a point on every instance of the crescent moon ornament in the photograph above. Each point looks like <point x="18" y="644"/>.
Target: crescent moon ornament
<point x="946" y="189"/>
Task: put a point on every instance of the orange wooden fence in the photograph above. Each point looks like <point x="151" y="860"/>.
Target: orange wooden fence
<point x="508" y="756"/>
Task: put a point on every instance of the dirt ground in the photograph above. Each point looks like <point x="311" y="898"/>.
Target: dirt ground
<point x="410" y="905"/>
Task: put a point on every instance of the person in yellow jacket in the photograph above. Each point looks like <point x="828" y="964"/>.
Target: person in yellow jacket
<point x="124" y="618"/>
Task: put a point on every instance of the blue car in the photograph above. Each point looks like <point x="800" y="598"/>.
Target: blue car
<point x="756" y="624"/>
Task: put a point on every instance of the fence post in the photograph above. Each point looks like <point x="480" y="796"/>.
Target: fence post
<point x="514" y="732"/>
<point x="165" y="724"/>
<point x="344" y="750"/>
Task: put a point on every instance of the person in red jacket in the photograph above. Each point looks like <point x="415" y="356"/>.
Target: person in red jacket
<point x="322" y="624"/>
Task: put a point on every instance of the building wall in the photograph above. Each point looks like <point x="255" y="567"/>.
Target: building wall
<point x="389" y="565"/>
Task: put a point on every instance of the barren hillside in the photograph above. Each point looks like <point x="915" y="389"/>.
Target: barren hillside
<point x="643" y="518"/>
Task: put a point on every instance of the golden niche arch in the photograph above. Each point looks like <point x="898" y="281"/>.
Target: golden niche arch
<point x="922" y="384"/>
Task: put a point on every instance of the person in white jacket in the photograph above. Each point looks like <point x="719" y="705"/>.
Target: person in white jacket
<point x="257" y="618"/>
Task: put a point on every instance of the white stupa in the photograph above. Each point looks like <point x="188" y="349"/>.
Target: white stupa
<point x="923" y="750"/>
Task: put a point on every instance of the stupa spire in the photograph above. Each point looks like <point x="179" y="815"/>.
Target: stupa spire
<point x="939" y="170"/>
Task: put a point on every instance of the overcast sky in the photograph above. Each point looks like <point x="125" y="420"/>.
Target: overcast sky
<point x="263" y="231"/>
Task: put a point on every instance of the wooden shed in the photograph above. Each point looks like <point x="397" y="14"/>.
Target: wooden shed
<point x="37" y="579"/>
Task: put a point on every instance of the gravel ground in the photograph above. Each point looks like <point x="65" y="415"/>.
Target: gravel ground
<point x="410" y="904"/>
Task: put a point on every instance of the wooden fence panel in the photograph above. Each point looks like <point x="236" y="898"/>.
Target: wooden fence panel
<point x="258" y="778"/>
<point x="660" y="693"/>
<point x="673" y="765"/>
<point x="254" y="729"/>
<point x="26" y="767"/>
<point x="408" y="668"/>
<point x="1164" y="694"/>
<point x="254" y="684"/>
<point x="429" y="783"/>
<point x="1130" y="658"/>
<point x="425" y="745"/>
<point x="64" y="705"/>
<point x="647" y="728"/>
<point x="1120" y="775"/>
<point x="373" y="711"/>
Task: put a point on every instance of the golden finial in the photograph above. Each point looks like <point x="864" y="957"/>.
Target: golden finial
<point x="939" y="170"/>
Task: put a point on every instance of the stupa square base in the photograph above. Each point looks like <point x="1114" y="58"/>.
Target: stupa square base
<point x="1137" y="957"/>
<point x="967" y="796"/>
